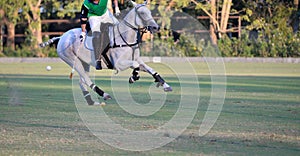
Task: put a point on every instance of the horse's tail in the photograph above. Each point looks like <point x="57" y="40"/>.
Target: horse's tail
<point x="52" y="40"/>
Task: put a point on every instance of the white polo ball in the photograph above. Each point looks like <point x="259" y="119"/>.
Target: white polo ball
<point x="48" y="68"/>
<point x="102" y="104"/>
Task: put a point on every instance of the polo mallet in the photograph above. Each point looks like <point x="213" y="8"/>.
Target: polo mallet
<point x="72" y="72"/>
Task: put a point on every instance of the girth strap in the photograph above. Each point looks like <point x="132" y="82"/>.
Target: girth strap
<point x="106" y="59"/>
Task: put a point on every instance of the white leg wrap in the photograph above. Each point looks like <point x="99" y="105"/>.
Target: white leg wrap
<point x="166" y="85"/>
<point x="96" y="103"/>
<point x="87" y="95"/>
<point x="93" y="87"/>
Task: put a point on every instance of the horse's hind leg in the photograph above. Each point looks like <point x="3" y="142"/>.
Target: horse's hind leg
<point x="86" y="93"/>
<point x="84" y="88"/>
<point x="84" y="77"/>
<point x="83" y="70"/>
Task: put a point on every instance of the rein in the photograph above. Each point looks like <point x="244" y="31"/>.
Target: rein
<point x="140" y="32"/>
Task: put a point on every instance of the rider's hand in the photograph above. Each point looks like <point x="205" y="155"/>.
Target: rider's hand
<point x="118" y="12"/>
<point x="82" y="36"/>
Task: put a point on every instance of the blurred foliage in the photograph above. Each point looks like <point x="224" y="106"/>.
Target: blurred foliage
<point x="10" y="10"/>
<point x="278" y="46"/>
<point x="270" y="19"/>
<point x="28" y="51"/>
<point x="275" y="37"/>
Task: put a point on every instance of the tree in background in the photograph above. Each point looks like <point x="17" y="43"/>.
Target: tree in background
<point x="218" y="12"/>
<point x="211" y="8"/>
<point x="9" y="16"/>
<point x="270" y="19"/>
<point x="218" y="22"/>
<point x="276" y="22"/>
<point x="32" y="14"/>
<point x="295" y="16"/>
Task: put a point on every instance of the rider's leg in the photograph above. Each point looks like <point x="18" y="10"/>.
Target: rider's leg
<point x="104" y="43"/>
<point x="97" y="48"/>
<point x="106" y="20"/>
<point x="95" y="22"/>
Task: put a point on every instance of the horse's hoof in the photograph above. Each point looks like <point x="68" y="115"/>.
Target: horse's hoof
<point x="106" y="96"/>
<point x="168" y="89"/>
<point x="96" y="103"/>
<point x="131" y="80"/>
<point x="134" y="78"/>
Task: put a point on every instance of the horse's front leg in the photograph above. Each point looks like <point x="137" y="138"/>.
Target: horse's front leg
<point x="157" y="78"/>
<point x="122" y="65"/>
<point x="135" y="75"/>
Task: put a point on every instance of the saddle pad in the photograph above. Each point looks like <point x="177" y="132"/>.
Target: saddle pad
<point x="88" y="43"/>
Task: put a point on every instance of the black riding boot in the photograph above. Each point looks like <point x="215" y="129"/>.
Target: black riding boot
<point x="98" y="64"/>
<point x="97" y="49"/>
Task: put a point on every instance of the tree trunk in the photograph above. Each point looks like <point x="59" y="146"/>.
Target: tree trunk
<point x="213" y="18"/>
<point x="34" y="22"/>
<point x="1" y="31"/>
<point x="1" y="38"/>
<point x="37" y="32"/>
<point x="10" y="35"/>
<point x="10" y="31"/>
<point x="212" y="28"/>
<point x="295" y="17"/>
<point x="37" y="26"/>
<point x="225" y="15"/>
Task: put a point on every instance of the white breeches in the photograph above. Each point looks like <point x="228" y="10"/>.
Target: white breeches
<point x="95" y="21"/>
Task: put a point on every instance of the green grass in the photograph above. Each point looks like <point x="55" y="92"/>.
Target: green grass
<point x="260" y="116"/>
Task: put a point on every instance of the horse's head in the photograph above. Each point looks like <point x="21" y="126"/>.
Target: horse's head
<point x="144" y="19"/>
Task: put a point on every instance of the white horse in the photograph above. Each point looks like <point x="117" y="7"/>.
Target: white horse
<point x="123" y="52"/>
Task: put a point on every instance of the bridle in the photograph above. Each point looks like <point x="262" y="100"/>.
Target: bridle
<point x="140" y="31"/>
<point x="139" y="16"/>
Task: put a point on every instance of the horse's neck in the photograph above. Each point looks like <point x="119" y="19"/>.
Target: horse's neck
<point x="128" y="33"/>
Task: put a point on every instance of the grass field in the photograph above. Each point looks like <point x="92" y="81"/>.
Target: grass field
<point x="260" y="116"/>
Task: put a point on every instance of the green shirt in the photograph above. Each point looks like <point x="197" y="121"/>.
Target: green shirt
<point x="96" y="9"/>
